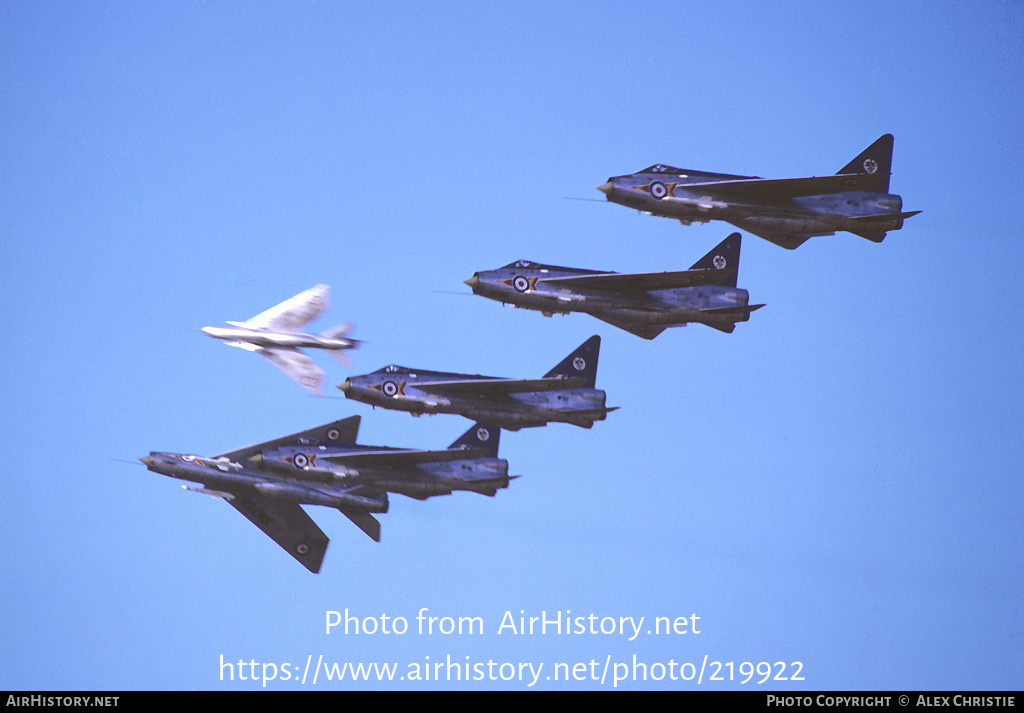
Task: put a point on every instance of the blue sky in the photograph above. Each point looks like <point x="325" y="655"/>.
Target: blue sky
<point x="838" y="482"/>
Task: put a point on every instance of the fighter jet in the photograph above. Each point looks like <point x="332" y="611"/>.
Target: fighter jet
<point x="786" y="211"/>
<point x="274" y="334"/>
<point x="268" y="482"/>
<point x="470" y="463"/>
<point x="643" y="303"/>
<point x="565" y="394"/>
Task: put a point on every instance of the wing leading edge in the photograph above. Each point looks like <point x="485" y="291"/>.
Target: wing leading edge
<point x="294" y="312"/>
<point x="287" y="523"/>
<point x="498" y="387"/>
<point x="400" y="458"/>
<point x="641" y="281"/>
<point x="777" y="189"/>
<point x="344" y="431"/>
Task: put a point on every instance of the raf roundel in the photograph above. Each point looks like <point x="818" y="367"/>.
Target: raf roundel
<point x="658" y="190"/>
<point x="718" y="261"/>
<point x="333" y="434"/>
<point x="579" y="364"/>
<point x="521" y="283"/>
<point x="389" y="388"/>
<point x="300" y="461"/>
<point x="482" y="434"/>
<point x="302" y="548"/>
<point x="870" y="165"/>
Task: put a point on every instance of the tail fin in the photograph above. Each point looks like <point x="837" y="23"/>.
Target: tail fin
<point x="582" y="363"/>
<point x="876" y="158"/>
<point x="339" y="331"/>
<point x="725" y="255"/>
<point x="342" y="357"/>
<point x="481" y="435"/>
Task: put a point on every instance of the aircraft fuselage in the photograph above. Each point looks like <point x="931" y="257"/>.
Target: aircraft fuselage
<point x="235" y="479"/>
<point x="526" y="289"/>
<point x="817" y="214"/>
<point x="580" y="406"/>
<point x="267" y="338"/>
<point x="484" y="474"/>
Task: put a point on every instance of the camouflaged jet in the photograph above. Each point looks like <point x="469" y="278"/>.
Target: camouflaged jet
<point x="272" y="501"/>
<point x="785" y="211"/>
<point x="644" y="303"/>
<point x="565" y="394"/>
<point x="274" y="335"/>
<point x="269" y="482"/>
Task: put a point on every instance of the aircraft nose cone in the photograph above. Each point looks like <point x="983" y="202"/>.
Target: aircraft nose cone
<point x="606" y="188"/>
<point x="147" y="461"/>
<point x="473" y="282"/>
<point x="346" y="386"/>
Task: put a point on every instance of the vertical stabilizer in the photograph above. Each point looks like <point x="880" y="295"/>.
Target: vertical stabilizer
<point x="480" y="435"/>
<point x="582" y="363"/>
<point x="876" y="158"/>
<point x="338" y="332"/>
<point x="725" y="255"/>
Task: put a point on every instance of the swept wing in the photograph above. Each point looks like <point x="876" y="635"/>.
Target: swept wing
<point x="499" y="387"/>
<point x="343" y="431"/>
<point x="784" y="238"/>
<point x="293" y="313"/>
<point x="641" y="281"/>
<point x="401" y="458"/>
<point x="646" y="331"/>
<point x="288" y="525"/>
<point x="774" y="189"/>
<point x="296" y="365"/>
<point x="650" y="331"/>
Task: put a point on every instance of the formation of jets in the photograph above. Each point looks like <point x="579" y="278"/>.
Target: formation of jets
<point x="269" y="482"/>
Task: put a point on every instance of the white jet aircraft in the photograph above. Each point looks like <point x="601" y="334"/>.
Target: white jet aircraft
<point x="275" y="335"/>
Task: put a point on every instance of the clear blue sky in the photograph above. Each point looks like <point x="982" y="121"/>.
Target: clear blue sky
<point x="837" y="483"/>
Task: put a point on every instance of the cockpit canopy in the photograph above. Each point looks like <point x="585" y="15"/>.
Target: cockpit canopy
<point x="662" y="168"/>
<point x="542" y="268"/>
<point x="393" y="369"/>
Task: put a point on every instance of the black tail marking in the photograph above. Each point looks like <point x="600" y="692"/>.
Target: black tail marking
<point x="582" y="363"/>
<point x="724" y="255"/>
<point x="480" y="435"/>
<point x="876" y="158"/>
